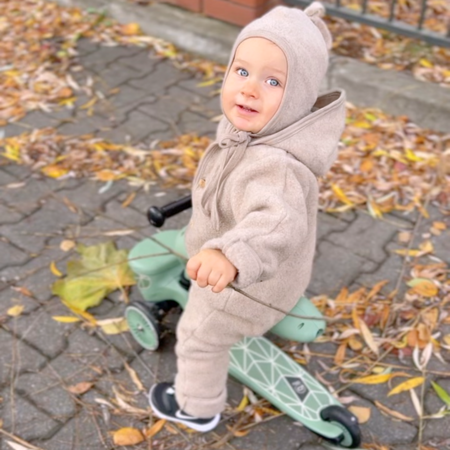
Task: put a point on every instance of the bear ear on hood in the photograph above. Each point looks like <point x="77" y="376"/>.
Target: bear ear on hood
<point x="315" y="11"/>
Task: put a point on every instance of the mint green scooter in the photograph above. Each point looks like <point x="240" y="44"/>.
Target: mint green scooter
<point x="255" y="361"/>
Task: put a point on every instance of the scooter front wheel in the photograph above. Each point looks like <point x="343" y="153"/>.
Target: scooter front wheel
<point x="143" y="324"/>
<point x="344" y="419"/>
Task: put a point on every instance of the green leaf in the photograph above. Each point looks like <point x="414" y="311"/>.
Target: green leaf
<point x="101" y="270"/>
<point x="442" y="393"/>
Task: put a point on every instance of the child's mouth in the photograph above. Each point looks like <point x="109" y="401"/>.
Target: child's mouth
<point x="246" y="109"/>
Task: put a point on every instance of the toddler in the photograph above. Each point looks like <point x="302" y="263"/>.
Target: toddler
<point x="254" y="204"/>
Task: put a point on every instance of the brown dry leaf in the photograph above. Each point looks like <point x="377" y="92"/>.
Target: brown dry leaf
<point x="154" y="429"/>
<point x="237" y="433"/>
<point x="67" y="245"/>
<point x="340" y="353"/>
<point x="134" y="377"/>
<point x="393" y="413"/>
<point x="128" y="436"/>
<point x="362" y="413"/>
<point x="80" y="388"/>
<point x="22" y="290"/>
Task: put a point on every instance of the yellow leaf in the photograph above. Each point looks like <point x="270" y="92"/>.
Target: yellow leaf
<point x="209" y="82"/>
<point x="131" y="29"/>
<point x="341" y="195"/>
<point x="68" y="101"/>
<point x="425" y="63"/>
<point x="66" y="319"/>
<point x="155" y="428"/>
<point x="423" y="286"/>
<point x="15" y="311"/>
<point x="90" y="103"/>
<point x="411" y="156"/>
<point x="67" y="245"/>
<point x="406" y="252"/>
<point x="374" y="379"/>
<point x="243" y="404"/>
<point x="12" y="152"/>
<point x="54" y="269"/>
<point x="89" y="317"/>
<point x="54" y="171"/>
<point x="407" y="385"/>
<point x="128" y="436"/>
<point x="362" y="413"/>
<point x="113" y="326"/>
<point x="340" y="354"/>
<point x="439" y="226"/>
<point x="134" y="377"/>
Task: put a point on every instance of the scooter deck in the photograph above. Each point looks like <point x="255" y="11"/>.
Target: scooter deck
<point x="262" y="366"/>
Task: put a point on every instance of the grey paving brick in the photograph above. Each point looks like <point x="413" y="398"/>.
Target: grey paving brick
<point x="163" y="76"/>
<point x="17" y="357"/>
<point x="14" y="129"/>
<point x="39" y="119"/>
<point x="45" y="390"/>
<point x="10" y="254"/>
<point x="192" y="85"/>
<point x="129" y="96"/>
<point x="26" y="197"/>
<point x="327" y="223"/>
<point x="135" y="128"/>
<point x="32" y="233"/>
<point x="390" y="270"/>
<point x="80" y="433"/>
<point x="18" y="171"/>
<point x="22" y="419"/>
<point x="141" y="62"/>
<point x="86" y="46"/>
<point x="9" y="215"/>
<point x="83" y="125"/>
<point x="336" y="267"/>
<point x="99" y="56"/>
<point x="10" y="297"/>
<point x="208" y="109"/>
<point x="393" y="432"/>
<point x="6" y="178"/>
<point x="191" y="122"/>
<point x="90" y="350"/>
<point x="42" y="332"/>
<point x="125" y="216"/>
<point x="114" y="75"/>
<point x="165" y="109"/>
<point x="365" y="237"/>
<point x="90" y="197"/>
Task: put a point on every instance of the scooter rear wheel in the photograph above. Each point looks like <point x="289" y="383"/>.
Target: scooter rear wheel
<point x="341" y="417"/>
<point x="143" y="324"/>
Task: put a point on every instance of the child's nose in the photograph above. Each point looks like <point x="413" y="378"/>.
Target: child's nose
<point x="250" y="88"/>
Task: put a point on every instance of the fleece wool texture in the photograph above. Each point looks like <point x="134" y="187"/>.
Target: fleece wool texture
<point x="255" y="198"/>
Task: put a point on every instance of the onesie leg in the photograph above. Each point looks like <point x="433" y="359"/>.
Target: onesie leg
<point x="204" y="338"/>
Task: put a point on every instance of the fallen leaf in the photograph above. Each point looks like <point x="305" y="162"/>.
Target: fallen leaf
<point x="67" y="245"/>
<point x="423" y="286"/>
<point x="373" y="379"/>
<point x="442" y="393"/>
<point x="407" y="385"/>
<point x="15" y="311"/>
<point x="113" y="326"/>
<point x="154" y="429"/>
<point x="54" y="270"/>
<point x="362" y="413"/>
<point x="128" y="436"/>
<point x="134" y="377"/>
<point x="80" y="388"/>
<point x="66" y="319"/>
<point x="393" y="413"/>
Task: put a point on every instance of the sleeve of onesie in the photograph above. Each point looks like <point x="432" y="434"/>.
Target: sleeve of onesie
<point x="268" y="228"/>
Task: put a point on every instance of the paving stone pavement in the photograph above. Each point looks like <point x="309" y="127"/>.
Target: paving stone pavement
<point x="41" y="358"/>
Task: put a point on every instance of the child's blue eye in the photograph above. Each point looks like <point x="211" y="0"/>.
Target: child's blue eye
<point x="242" y="72"/>
<point x="274" y="82"/>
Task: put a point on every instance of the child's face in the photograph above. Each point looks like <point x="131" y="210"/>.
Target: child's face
<point x="254" y="87"/>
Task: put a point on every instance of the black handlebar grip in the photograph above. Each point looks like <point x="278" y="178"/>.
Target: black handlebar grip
<point x="157" y="216"/>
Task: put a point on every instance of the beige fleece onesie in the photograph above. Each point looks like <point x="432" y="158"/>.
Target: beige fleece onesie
<point x="255" y="198"/>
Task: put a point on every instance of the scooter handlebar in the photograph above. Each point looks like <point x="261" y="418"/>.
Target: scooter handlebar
<point x="158" y="215"/>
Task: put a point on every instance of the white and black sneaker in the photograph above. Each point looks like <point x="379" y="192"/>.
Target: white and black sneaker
<point x="163" y="402"/>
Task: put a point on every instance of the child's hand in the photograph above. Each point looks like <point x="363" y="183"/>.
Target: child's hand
<point x="211" y="267"/>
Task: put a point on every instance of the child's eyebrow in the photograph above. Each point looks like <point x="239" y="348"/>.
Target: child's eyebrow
<point x="271" y="69"/>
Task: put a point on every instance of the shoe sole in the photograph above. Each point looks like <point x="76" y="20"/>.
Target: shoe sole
<point x="195" y="426"/>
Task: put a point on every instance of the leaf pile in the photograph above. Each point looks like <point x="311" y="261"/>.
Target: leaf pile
<point x="384" y="163"/>
<point x="38" y="52"/>
<point x="391" y="51"/>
